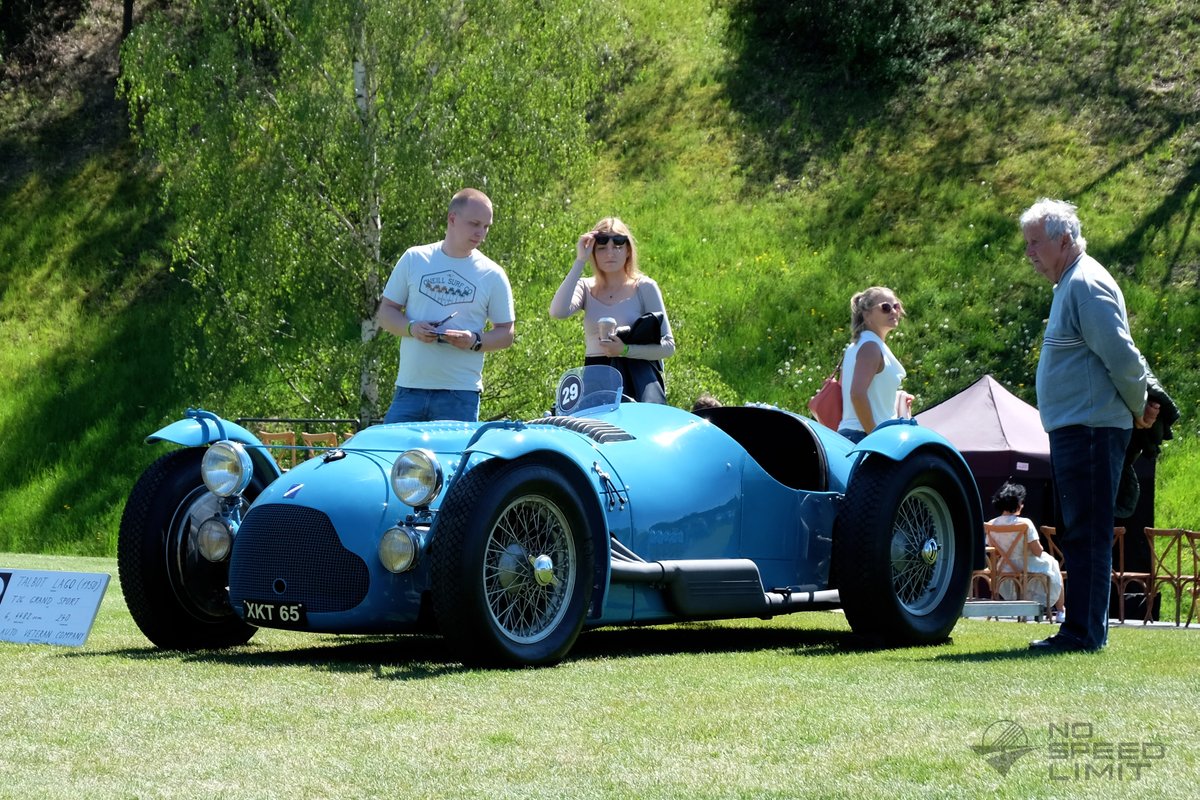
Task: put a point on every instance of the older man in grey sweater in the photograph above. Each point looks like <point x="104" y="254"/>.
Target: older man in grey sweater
<point x="1091" y="391"/>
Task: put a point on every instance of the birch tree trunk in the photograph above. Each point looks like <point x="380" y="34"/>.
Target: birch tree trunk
<point x="365" y="91"/>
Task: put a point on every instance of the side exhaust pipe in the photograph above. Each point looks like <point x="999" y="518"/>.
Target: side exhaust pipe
<point x="725" y="587"/>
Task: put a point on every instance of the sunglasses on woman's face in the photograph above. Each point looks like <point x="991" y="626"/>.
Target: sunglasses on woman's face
<point x="619" y="239"/>
<point x="887" y="307"/>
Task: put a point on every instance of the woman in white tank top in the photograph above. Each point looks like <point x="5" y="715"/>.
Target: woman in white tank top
<point x="871" y="373"/>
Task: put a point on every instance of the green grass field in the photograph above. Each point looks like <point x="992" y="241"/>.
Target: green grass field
<point x="790" y="708"/>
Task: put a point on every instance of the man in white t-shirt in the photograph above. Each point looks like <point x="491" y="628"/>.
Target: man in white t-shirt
<point x="439" y="300"/>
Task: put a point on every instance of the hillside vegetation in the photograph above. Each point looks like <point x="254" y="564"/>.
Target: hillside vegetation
<point x="764" y="190"/>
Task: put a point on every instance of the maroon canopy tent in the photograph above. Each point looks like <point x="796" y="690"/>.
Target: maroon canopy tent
<point x="1001" y="438"/>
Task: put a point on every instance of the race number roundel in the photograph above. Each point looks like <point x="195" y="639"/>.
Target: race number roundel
<point x="570" y="391"/>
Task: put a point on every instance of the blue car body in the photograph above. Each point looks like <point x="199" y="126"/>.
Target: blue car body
<point x="731" y="512"/>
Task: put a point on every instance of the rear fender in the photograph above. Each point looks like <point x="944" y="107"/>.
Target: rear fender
<point x="900" y="439"/>
<point x="201" y="428"/>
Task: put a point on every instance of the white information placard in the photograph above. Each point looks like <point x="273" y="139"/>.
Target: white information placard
<point x="45" y="607"/>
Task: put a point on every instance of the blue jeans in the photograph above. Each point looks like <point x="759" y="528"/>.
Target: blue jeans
<point x="853" y="435"/>
<point x="426" y="405"/>
<point x="1086" y="463"/>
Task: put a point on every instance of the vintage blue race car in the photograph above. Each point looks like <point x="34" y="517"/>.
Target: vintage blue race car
<point x="509" y="538"/>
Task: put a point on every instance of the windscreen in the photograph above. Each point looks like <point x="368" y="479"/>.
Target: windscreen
<point x="583" y="391"/>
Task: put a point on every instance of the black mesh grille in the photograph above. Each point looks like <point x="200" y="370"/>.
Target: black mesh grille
<point x="291" y="554"/>
<point x="601" y="432"/>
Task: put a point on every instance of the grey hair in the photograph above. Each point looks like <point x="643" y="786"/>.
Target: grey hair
<point x="1060" y="219"/>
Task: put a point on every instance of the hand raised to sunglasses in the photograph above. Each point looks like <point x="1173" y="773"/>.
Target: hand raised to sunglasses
<point x="583" y="248"/>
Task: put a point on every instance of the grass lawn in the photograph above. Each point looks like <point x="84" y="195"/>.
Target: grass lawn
<point x="789" y="708"/>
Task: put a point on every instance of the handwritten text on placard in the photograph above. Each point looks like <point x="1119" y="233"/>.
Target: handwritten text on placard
<point x="43" y="607"/>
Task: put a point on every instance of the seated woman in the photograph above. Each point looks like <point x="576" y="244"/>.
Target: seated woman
<point x="619" y="293"/>
<point x="1009" y="501"/>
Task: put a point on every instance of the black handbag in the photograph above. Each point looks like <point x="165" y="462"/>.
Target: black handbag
<point x="646" y="329"/>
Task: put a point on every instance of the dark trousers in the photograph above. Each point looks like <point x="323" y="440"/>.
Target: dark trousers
<point x="1086" y="463"/>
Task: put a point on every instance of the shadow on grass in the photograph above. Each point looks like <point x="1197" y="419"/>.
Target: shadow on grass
<point x="1020" y="653"/>
<point x="421" y="656"/>
<point x="705" y="638"/>
<point x="408" y="657"/>
<point x="89" y="399"/>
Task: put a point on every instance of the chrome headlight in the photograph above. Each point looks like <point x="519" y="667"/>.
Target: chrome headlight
<point x="214" y="539"/>
<point x="226" y="468"/>
<point x="417" y="477"/>
<point x="398" y="549"/>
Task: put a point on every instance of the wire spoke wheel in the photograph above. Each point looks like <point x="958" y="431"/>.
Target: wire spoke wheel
<point x="922" y="551"/>
<point x="526" y="602"/>
<point x="902" y="548"/>
<point x="512" y="562"/>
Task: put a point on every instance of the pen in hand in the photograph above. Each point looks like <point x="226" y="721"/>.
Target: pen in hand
<point x="440" y="339"/>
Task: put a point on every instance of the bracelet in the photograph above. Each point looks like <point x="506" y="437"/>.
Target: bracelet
<point x="410" y="322"/>
<point x="625" y="352"/>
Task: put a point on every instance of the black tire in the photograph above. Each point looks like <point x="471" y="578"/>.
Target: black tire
<point x="178" y="599"/>
<point x="903" y="549"/>
<point x="491" y="604"/>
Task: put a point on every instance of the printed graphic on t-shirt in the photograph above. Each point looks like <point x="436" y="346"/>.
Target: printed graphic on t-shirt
<point x="447" y="288"/>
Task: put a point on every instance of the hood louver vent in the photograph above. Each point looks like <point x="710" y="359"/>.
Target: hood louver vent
<point x="601" y="432"/>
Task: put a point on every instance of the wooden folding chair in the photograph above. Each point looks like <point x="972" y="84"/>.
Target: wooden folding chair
<point x="1050" y="545"/>
<point x="1167" y="547"/>
<point x="285" y="456"/>
<point x="981" y="579"/>
<point x="1009" y="566"/>
<point x="311" y="440"/>
<point x="1122" y="578"/>
<point x="1193" y="539"/>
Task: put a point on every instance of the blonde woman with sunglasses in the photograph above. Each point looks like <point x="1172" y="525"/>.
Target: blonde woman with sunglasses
<point x="872" y="393"/>
<point x="616" y="290"/>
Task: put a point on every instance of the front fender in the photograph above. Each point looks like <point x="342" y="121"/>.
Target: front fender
<point x="898" y="438"/>
<point x="514" y="440"/>
<point x="200" y="428"/>
<point x="511" y="441"/>
<point x="579" y="461"/>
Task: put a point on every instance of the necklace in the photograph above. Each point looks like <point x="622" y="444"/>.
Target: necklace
<point x="611" y="294"/>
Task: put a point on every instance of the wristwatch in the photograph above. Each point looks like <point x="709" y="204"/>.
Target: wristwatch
<point x="478" y="342"/>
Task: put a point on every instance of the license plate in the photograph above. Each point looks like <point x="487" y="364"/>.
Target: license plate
<point x="269" y="614"/>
